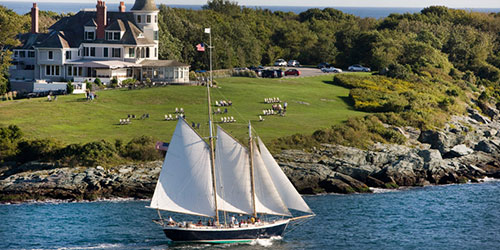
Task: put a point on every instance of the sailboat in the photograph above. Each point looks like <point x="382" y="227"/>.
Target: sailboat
<point x="198" y="178"/>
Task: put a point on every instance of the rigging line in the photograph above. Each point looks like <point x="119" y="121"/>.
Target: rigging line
<point x="297" y="224"/>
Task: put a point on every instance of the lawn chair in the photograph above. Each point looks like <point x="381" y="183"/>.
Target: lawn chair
<point x="217" y="103"/>
<point x="260" y="118"/>
<point x="182" y="110"/>
<point x="166" y="118"/>
<point x="170" y="117"/>
<point x="232" y="119"/>
<point x="121" y="121"/>
<point x="176" y="110"/>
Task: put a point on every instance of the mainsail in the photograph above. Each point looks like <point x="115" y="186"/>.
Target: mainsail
<point x="232" y="175"/>
<point x="185" y="182"/>
<point x="285" y="188"/>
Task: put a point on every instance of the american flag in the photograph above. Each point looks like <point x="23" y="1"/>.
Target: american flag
<point x="163" y="146"/>
<point x="200" y="47"/>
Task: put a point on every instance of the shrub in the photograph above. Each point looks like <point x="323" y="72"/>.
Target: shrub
<point x="142" y="149"/>
<point x="70" y="88"/>
<point x="38" y="149"/>
<point x="129" y="81"/>
<point x="9" y="137"/>
<point x="113" y="82"/>
<point x="98" y="82"/>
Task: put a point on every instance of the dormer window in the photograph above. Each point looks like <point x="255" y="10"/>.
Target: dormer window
<point x="140" y="35"/>
<point x="113" y="35"/>
<point x="139" y="19"/>
<point x="89" y="35"/>
<point x="148" y="18"/>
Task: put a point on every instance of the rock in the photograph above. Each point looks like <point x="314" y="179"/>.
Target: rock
<point x="374" y="182"/>
<point x="99" y="168"/>
<point x="459" y="150"/>
<point x="490" y="133"/>
<point x="484" y="146"/>
<point x="482" y="119"/>
<point x="430" y="155"/>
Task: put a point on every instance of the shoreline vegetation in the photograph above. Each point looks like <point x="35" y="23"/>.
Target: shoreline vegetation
<point x="428" y="115"/>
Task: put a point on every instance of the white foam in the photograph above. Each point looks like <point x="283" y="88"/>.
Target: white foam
<point x="265" y="242"/>
<point x="488" y="179"/>
<point x="382" y="190"/>
<point x="100" y="246"/>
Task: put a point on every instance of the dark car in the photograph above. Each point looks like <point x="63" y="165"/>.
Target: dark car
<point x="324" y="65"/>
<point x="292" y="72"/>
<point x="272" y="73"/>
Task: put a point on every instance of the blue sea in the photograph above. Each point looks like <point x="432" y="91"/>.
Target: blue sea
<point x="375" y="12"/>
<point x="463" y="216"/>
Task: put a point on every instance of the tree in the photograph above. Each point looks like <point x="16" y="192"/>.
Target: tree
<point x="10" y="25"/>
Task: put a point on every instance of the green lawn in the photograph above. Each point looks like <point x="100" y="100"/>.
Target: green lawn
<point x="312" y="104"/>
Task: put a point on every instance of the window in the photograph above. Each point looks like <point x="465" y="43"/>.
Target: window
<point x="105" y="52"/>
<point x="148" y="18"/>
<point x="92" y="51"/>
<point x="68" y="55"/>
<point x="131" y="52"/>
<point x="79" y="52"/>
<point x="89" y="35"/>
<point x="116" y="52"/>
<point x="147" y="52"/>
<point x="51" y="55"/>
<point x="113" y="35"/>
<point x="74" y="71"/>
<point x="29" y="67"/>
<point x="86" y="51"/>
<point x="156" y="35"/>
<point x="156" y="18"/>
<point x="116" y="35"/>
<point x="139" y="19"/>
<point x="22" y="53"/>
<point x="16" y="53"/>
<point x="156" y="52"/>
<point x="52" y="70"/>
<point x="31" y="54"/>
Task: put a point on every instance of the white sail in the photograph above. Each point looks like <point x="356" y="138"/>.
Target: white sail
<point x="185" y="182"/>
<point x="268" y="201"/>
<point x="286" y="190"/>
<point x="232" y="175"/>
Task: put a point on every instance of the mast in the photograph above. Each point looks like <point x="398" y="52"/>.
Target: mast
<point x="252" y="180"/>
<point x="211" y="139"/>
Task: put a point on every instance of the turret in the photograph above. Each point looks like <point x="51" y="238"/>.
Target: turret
<point x="146" y="18"/>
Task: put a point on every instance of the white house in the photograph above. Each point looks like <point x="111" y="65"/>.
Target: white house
<point x="94" y="43"/>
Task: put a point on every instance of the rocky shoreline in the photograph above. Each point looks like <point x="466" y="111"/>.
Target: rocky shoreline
<point x="467" y="149"/>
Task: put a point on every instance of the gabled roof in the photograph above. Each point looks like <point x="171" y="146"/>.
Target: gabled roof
<point x="124" y="21"/>
<point x="91" y="23"/>
<point x="144" y="5"/>
<point x="29" y="40"/>
<point x="116" y="25"/>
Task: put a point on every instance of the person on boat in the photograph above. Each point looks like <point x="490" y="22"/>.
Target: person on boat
<point x="210" y="223"/>
<point x="233" y="220"/>
<point x="199" y="223"/>
<point x="253" y="220"/>
<point x="170" y="221"/>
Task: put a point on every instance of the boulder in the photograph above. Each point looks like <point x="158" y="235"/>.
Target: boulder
<point x="459" y="150"/>
<point x="430" y="155"/>
<point x="484" y="146"/>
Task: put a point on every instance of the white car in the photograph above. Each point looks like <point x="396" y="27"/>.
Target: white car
<point x="357" y="67"/>
<point x="280" y="62"/>
<point x="293" y="63"/>
<point x="331" y="70"/>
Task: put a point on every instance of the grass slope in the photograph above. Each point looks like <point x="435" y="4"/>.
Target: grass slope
<point x="312" y="104"/>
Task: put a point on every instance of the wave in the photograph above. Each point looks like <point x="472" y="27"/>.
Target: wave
<point x="57" y="201"/>
<point x="99" y="246"/>
<point x="265" y="242"/>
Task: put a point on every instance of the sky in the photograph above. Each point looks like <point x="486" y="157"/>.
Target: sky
<point x="324" y="3"/>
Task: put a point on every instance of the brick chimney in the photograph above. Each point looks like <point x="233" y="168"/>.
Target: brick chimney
<point x="34" y="19"/>
<point x="101" y="19"/>
<point x="121" y="8"/>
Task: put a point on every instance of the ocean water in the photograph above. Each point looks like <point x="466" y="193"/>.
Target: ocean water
<point x="436" y="217"/>
<point x="375" y="12"/>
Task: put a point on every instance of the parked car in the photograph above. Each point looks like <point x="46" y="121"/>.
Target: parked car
<point x="293" y="63"/>
<point x="272" y="73"/>
<point x="292" y="72"/>
<point x="280" y="62"/>
<point x="331" y="70"/>
<point x="324" y="65"/>
<point x="358" y="67"/>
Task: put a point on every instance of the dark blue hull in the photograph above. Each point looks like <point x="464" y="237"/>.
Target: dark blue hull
<point x="225" y="235"/>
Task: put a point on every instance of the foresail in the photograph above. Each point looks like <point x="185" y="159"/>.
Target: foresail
<point x="268" y="201"/>
<point x="185" y="182"/>
<point x="286" y="190"/>
<point x="232" y="175"/>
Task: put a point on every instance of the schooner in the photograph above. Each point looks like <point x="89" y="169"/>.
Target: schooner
<point x="203" y="179"/>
